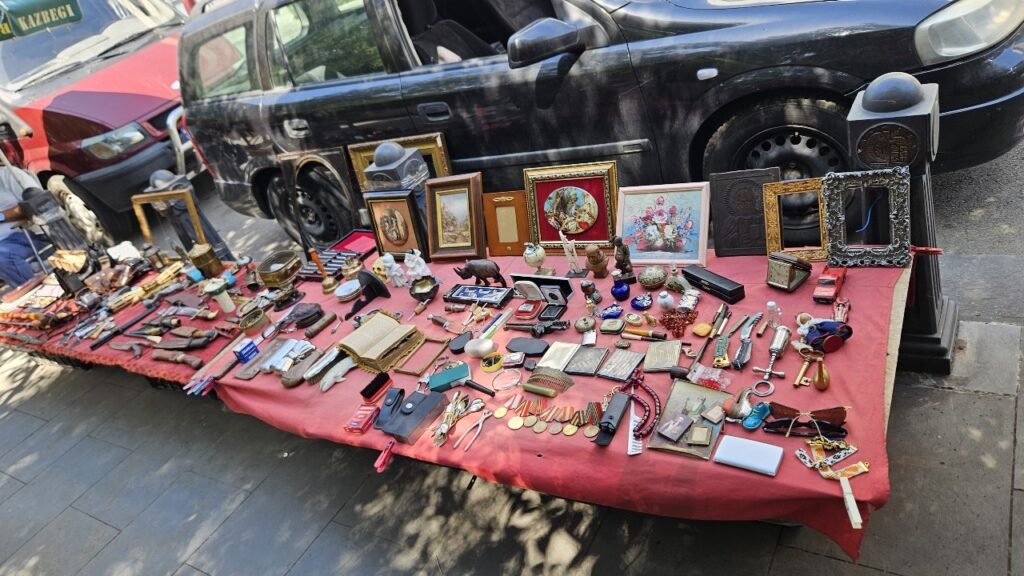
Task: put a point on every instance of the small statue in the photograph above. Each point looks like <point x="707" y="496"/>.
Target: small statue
<point x="570" y="257"/>
<point x="482" y="270"/>
<point x="534" y="255"/>
<point x="622" y="260"/>
<point x="394" y="271"/>
<point x="590" y="291"/>
<point x="597" y="261"/>
<point x="380" y="271"/>
<point x="415" y="266"/>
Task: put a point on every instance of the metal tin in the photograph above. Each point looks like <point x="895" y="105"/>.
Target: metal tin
<point x="204" y="258"/>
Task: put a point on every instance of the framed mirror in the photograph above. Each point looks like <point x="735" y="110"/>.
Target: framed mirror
<point x="796" y="200"/>
<point x="881" y="237"/>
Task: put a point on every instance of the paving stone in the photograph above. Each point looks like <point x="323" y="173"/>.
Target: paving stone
<point x="345" y="550"/>
<point x="950" y="457"/>
<point x="142" y="477"/>
<point x="170" y="530"/>
<point x="792" y="562"/>
<point x="246" y="454"/>
<point x="150" y="416"/>
<point x="36" y="504"/>
<point x="8" y="486"/>
<point x="630" y="543"/>
<point x="987" y="359"/>
<point x="279" y="520"/>
<point x="63" y="547"/>
<point x="50" y="391"/>
<point x="15" y="426"/>
<point x="46" y="444"/>
<point x="986" y="288"/>
<point x="187" y="570"/>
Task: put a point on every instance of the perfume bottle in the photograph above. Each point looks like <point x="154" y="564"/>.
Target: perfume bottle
<point x="774" y="315"/>
<point x="620" y="290"/>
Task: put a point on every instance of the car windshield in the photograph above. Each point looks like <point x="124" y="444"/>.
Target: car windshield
<point x="105" y="24"/>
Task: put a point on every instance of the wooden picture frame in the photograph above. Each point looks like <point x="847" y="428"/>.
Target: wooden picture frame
<point x="896" y="181"/>
<point x="665" y="224"/>
<point x="737" y="210"/>
<point x="455" y="217"/>
<point x="430" y="145"/>
<point x="773" y="218"/>
<point x="185" y="195"/>
<point x="589" y="190"/>
<point x="505" y="221"/>
<point x="396" y="223"/>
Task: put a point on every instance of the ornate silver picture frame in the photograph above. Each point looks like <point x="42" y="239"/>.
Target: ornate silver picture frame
<point x="897" y="182"/>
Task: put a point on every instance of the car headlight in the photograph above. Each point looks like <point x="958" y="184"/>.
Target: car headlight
<point x="114" y="143"/>
<point x="966" y="27"/>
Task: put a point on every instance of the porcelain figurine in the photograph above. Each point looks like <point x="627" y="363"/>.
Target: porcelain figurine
<point x="394" y="271"/>
<point x="597" y="261"/>
<point x="534" y="256"/>
<point x="575" y="271"/>
<point x="590" y="291"/>
<point x="677" y="282"/>
<point x="415" y="266"/>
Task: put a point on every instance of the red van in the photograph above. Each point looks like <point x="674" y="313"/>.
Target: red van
<point x="101" y="98"/>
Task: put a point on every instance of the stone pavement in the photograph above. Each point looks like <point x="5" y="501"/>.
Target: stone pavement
<point x="100" y="473"/>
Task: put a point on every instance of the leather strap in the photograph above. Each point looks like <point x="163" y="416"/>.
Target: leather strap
<point x="293" y="377"/>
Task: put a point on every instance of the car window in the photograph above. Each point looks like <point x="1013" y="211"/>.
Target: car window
<point x="324" y="40"/>
<point x="222" y="64"/>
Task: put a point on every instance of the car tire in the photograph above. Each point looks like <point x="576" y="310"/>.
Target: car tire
<point x="97" y="223"/>
<point x="322" y="209"/>
<point x="804" y="137"/>
<point x="279" y="200"/>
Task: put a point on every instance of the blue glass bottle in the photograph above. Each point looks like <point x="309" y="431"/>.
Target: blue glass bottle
<point x="620" y="290"/>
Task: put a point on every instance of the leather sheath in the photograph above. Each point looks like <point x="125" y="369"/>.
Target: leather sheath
<point x="320" y="324"/>
<point x="187" y="339"/>
<point x="178" y="358"/>
<point x="294" y="376"/>
<point x="249" y="370"/>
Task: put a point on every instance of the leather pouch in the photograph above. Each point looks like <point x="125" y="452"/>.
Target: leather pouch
<point x="392" y="402"/>
<point x="414" y="416"/>
<point x="720" y="286"/>
<point x="611" y="418"/>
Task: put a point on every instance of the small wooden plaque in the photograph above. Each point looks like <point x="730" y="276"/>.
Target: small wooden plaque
<point x="505" y="222"/>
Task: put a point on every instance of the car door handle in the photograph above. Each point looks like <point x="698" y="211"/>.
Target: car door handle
<point x="434" y="111"/>
<point x="296" y="128"/>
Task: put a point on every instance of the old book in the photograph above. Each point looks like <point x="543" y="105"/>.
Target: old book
<point x="380" y="342"/>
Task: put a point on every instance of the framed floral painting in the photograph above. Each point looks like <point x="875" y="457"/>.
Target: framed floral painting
<point x="577" y="200"/>
<point x="666" y="223"/>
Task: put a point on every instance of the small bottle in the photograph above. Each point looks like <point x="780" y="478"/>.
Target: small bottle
<point x="774" y="315"/>
<point x="620" y="290"/>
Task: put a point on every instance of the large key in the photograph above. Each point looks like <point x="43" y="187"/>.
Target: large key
<point x="810" y="357"/>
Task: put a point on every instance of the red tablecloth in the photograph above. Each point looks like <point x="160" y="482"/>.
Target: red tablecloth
<point x="654" y="482"/>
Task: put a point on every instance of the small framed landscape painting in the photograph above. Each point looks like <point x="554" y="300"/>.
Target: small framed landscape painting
<point x="455" y="217"/>
<point x="665" y="223"/>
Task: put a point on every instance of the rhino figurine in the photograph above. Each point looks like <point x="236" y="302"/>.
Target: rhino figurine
<point x="482" y="270"/>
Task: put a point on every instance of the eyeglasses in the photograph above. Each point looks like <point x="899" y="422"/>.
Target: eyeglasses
<point x="827" y="423"/>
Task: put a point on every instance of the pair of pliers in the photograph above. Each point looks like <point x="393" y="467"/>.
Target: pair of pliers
<point x="478" y="426"/>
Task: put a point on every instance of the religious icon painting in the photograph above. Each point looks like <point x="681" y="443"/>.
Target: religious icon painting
<point x="395" y="222"/>
<point x="576" y="200"/>
<point x="665" y="224"/>
<point x="455" y="217"/>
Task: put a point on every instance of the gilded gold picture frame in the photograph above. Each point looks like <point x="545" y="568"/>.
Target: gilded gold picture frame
<point x="431" y="145"/>
<point x="455" y="217"/>
<point x="599" y="180"/>
<point x="773" y="217"/>
<point x="140" y="200"/>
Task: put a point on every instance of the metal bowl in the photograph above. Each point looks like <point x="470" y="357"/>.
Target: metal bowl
<point x="280" y="269"/>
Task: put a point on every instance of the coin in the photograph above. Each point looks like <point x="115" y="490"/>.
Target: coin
<point x="500" y="412"/>
<point x="555" y="428"/>
<point x="569" y="429"/>
<point x="529" y="421"/>
<point x="591" y="431"/>
<point x="540" y="427"/>
<point x="516" y="422"/>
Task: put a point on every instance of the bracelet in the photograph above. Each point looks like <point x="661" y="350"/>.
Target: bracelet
<point x="518" y="377"/>
<point x="491" y="362"/>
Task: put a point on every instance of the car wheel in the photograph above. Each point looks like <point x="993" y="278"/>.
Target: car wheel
<point x="804" y="137"/>
<point x="322" y="209"/>
<point x="97" y="223"/>
<point x="279" y="200"/>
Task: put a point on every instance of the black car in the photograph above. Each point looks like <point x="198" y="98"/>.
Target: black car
<point x="673" y="90"/>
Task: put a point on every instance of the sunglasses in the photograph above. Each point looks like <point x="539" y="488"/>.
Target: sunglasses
<point x="826" y="423"/>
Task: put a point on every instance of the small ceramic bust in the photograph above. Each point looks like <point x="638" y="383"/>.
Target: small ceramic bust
<point x="622" y="261"/>
<point x="597" y="261"/>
